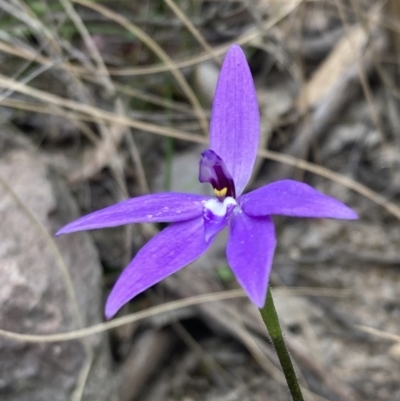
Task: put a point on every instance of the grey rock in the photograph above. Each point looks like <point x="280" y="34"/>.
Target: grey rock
<point x="33" y="292"/>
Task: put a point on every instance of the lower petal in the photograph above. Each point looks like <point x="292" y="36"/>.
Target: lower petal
<point x="170" y="250"/>
<point x="250" y="251"/>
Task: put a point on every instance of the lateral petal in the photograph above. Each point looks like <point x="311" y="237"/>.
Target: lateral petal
<point x="170" y="250"/>
<point x="235" y="119"/>
<point x="161" y="207"/>
<point x="250" y="251"/>
<point x="294" y="198"/>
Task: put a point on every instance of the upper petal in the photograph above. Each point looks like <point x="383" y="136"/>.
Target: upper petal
<point x="170" y="250"/>
<point x="294" y="198"/>
<point x="250" y="251"/>
<point x="162" y="207"/>
<point x="235" y="119"/>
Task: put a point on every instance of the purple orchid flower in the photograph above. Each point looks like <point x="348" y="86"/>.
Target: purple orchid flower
<point x="227" y="166"/>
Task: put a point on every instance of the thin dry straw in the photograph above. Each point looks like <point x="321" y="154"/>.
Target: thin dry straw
<point x="160" y="309"/>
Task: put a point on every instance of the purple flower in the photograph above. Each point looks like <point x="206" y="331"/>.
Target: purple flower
<point x="227" y="166"/>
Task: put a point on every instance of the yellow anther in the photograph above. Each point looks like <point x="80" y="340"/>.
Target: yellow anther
<point x="220" y="192"/>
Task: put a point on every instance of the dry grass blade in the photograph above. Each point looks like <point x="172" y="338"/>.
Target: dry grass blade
<point x="135" y="71"/>
<point x="94" y="52"/>
<point x="330" y="73"/>
<point x="97" y="113"/>
<point x="193" y="30"/>
<point x="160" y="309"/>
<point x="154" y="99"/>
<point x="250" y="35"/>
<point x="379" y="333"/>
<point x="27" y="54"/>
<point x="99" y="157"/>
<point x="361" y="68"/>
<point x="109" y="134"/>
<point x="347" y="182"/>
<point x="124" y="22"/>
<point x="76" y="117"/>
<point x="44" y="109"/>
<point x="99" y="328"/>
<point x="23" y="13"/>
<point x="31" y="55"/>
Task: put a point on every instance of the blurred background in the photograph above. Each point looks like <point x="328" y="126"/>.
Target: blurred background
<point x="104" y="100"/>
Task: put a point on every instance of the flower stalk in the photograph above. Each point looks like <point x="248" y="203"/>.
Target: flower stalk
<point x="271" y="321"/>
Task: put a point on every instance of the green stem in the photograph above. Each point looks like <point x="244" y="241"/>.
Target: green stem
<point x="271" y="321"/>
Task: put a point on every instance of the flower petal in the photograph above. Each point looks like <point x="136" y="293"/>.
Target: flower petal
<point x="161" y="207"/>
<point x="250" y="251"/>
<point x="294" y="198"/>
<point x="235" y="120"/>
<point x="170" y="250"/>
